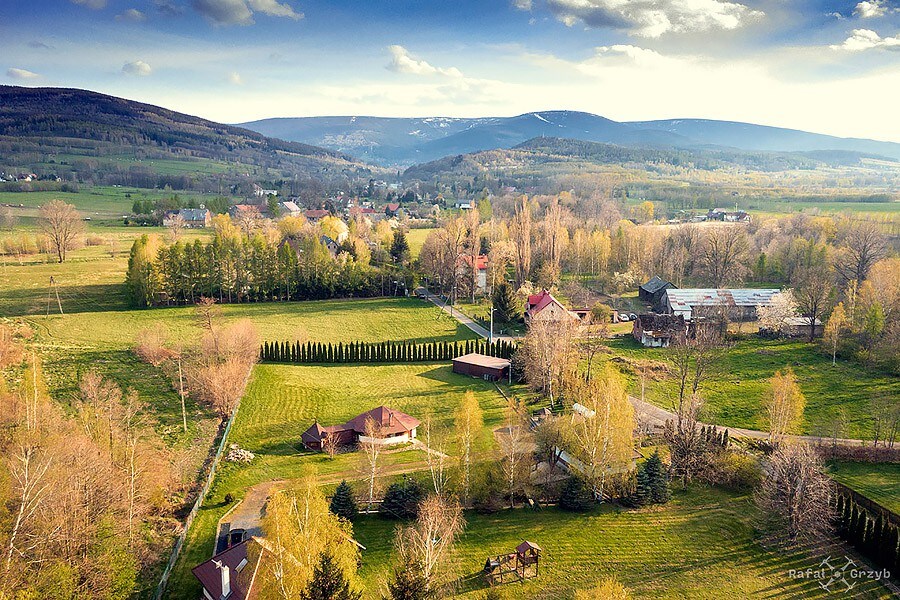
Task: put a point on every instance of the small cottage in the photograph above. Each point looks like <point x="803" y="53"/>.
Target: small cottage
<point x="486" y="367"/>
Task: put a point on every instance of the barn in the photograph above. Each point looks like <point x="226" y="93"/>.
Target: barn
<point x="481" y="365"/>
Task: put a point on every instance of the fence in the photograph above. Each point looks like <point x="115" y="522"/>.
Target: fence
<point x="179" y="543"/>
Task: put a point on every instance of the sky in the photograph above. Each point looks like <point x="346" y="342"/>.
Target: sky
<point x="819" y="65"/>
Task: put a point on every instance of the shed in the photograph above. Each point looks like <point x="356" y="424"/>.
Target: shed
<point x="652" y="291"/>
<point x="481" y="365"/>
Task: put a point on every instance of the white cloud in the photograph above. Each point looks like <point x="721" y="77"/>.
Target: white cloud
<point x="402" y="62"/>
<point x="522" y="4"/>
<point x="14" y="73"/>
<point x="234" y="78"/>
<point x="137" y="67"/>
<point x="92" y="4"/>
<point x="866" y="39"/>
<point x="240" y="12"/>
<point x="870" y="9"/>
<point x="133" y="15"/>
<point x="653" y="18"/>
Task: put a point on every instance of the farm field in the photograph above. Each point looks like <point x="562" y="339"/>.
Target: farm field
<point x="416" y="239"/>
<point x="735" y="392"/>
<point x="878" y="482"/>
<point x="700" y="545"/>
<point x="283" y="400"/>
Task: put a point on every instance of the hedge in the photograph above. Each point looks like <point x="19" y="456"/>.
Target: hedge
<point x="379" y="352"/>
<point x="871" y="534"/>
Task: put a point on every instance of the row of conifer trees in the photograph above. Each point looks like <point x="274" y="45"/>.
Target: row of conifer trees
<point x="379" y="352"/>
<point x="872" y="534"/>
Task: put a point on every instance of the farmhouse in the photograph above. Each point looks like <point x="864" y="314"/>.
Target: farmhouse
<point x="193" y="218"/>
<point x="316" y="215"/>
<point x="230" y="575"/>
<point x="699" y="303"/>
<point x="544" y="307"/>
<point x="481" y="365"/>
<point x="392" y="209"/>
<point x="289" y="208"/>
<point x="658" y="331"/>
<point x="652" y="291"/>
<point x="728" y="216"/>
<point x="394" y="427"/>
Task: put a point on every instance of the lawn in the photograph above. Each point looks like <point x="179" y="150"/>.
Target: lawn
<point x="734" y="395"/>
<point x="878" y="482"/>
<point x="700" y="545"/>
<point x="283" y="400"/>
<point x="416" y="239"/>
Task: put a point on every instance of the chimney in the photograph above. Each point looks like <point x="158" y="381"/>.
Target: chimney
<point x="226" y="578"/>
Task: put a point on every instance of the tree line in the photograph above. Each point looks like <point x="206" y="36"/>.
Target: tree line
<point x="238" y="268"/>
<point x="379" y="352"/>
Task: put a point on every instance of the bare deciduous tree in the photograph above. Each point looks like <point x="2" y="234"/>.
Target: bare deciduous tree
<point x="515" y="445"/>
<point x="62" y="225"/>
<point x="548" y="354"/>
<point x="520" y="235"/>
<point x="428" y="542"/>
<point x="371" y="444"/>
<point x="723" y="255"/>
<point x="862" y="244"/>
<point x="796" y="493"/>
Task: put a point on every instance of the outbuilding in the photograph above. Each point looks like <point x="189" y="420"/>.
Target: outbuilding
<point x="482" y="365"/>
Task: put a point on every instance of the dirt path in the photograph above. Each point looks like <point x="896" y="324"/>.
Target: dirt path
<point x="462" y="318"/>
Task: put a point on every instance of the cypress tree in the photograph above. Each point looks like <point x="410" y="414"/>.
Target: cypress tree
<point x="841" y="511"/>
<point x="329" y="582"/>
<point x="343" y="504"/>
<point x="575" y="495"/>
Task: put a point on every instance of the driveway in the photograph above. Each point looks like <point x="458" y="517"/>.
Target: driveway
<point x="462" y="318"/>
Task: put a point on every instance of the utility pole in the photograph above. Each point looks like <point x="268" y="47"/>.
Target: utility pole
<point x="54" y="287"/>
<point x="491" y="330"/>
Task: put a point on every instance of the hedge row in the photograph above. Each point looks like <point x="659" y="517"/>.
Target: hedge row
<point x="872" y="534"/>
<point x="379" y="352"/>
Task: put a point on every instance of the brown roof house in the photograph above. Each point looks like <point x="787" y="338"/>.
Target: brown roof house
<point x="395" y="428"/>
<point x="486" y="367"/>
<point x="230" y="575"/>
<point x="658" y="331"/>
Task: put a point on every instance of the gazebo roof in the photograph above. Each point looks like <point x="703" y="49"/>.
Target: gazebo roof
<point x="526" y="546"/>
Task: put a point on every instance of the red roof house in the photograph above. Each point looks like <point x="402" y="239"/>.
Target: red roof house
<point x="544" y="306"/>
<point x="230" y="575"/>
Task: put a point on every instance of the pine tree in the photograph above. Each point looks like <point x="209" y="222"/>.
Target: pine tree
<point x="658" y="479"/>
<point x="343" y="504"/>
<point x="329" y="582"/>
<point x="505" y="303"/>
<point x="642" y="489"/>
<point x="409" y="582"/>
<point x="575" y="496"/>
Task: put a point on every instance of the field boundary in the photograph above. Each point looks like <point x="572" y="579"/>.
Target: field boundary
<point x="868" y="503"/>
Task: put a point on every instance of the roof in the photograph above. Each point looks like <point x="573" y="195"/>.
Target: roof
<point x="682" y="300"/>
<point x="482" y="360"/>
<point x="289" y="206"/>
<point x="481" y="261"/>
<point x="658" y="325"/>
<point x="316" y="213"/>
<point x="235" y="558"/>
<point x="390" y="420"/>
<point x="538" y="302"/>
<point x="654" y="285"/>
<point x="245" y="207"/>
<point x="526" y="545"/>
<point x="393" y="206"/>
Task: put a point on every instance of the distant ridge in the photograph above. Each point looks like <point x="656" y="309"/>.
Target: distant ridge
<point x="406" y="141"/>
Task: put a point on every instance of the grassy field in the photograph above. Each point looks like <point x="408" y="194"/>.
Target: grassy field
<point x="700" y="545"/>
<point x="735" y="393"/>
<point x="879" y="482"/>
<point x="416" y="239"/>
<point x="283" y="400"/>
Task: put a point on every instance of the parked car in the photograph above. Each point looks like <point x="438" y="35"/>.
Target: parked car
<point x="623" y="317"/>
<point x="632" y="317"/>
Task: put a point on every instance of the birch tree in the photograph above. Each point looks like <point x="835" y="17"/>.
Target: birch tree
<point x="515" y="445"/>
<point x="427" y="543"/>
<point x="371" y="445"/>
<point x="834" y="328"/>
<point x="549" y="354"/>
<point x="784" y="405"/>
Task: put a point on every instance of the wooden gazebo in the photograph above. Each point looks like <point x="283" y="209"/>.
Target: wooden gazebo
<point x="528" y="554"/>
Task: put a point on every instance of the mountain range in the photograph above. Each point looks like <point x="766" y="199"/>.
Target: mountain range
<point x="407" y="141"/>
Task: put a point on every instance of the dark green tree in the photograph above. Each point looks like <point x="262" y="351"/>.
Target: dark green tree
<point x="506" y="306"/>
<point x="329" y="582"/>
<point x="401" y="501"/>
<point x="343" y="504"/>
<point x="400" y="248"/>
<point x="409" y="582"/>
<point x="642" y="489"/>
<point x="575" y="495"/>
<point x="658" y="479"/>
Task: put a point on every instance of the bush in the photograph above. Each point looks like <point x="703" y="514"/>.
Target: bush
<point x="487" y="488"/>
<point x="94" y="240"/>
<point x="401" y="501"/>
<point x="736" y="470"/>
<point x="576" y="496"/>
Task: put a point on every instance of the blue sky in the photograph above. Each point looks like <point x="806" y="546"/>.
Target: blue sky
<point x="825" y="66"/>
